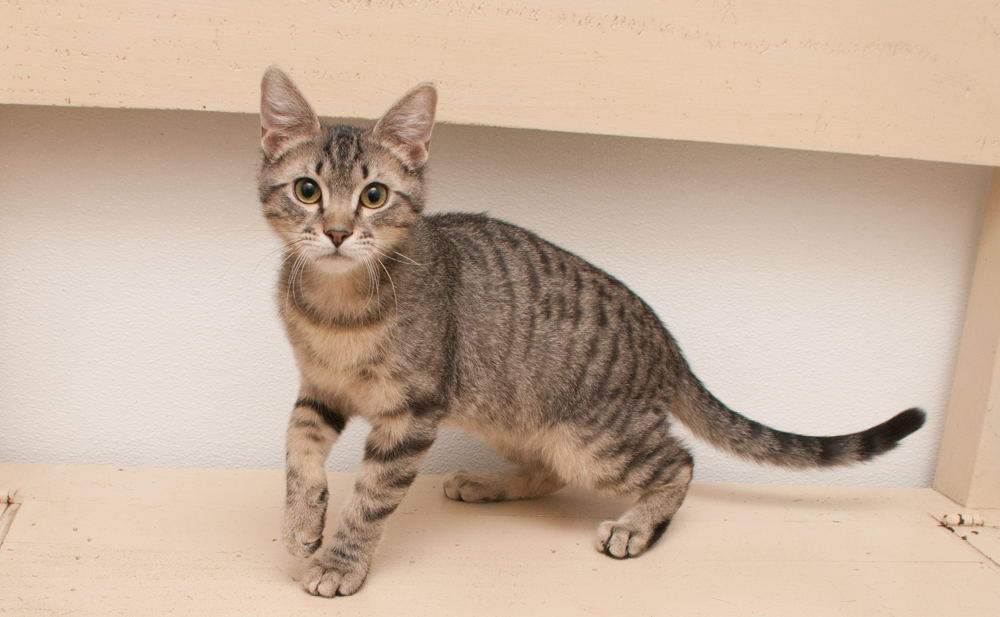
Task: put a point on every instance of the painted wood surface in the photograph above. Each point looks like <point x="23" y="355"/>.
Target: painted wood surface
<point x="969" y="462"/>
<point x="903" y="78"/>
<point x="110" y="541"/>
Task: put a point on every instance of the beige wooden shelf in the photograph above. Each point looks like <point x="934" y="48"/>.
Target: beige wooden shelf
<point x="901" y="78"/>
<point x="128" y="541"/>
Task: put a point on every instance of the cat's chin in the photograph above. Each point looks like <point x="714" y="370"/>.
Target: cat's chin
<point x="335" y="263"/>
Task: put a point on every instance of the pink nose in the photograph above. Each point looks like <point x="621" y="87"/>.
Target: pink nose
<point x="338" y="236"/>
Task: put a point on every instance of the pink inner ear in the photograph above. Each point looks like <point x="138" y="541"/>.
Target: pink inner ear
<point x="418" y="153"/>
<point x="285" y="115"/>
<point x="408" y="125"/>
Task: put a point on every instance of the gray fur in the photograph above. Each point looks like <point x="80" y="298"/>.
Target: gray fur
<point x="417" y="321"/>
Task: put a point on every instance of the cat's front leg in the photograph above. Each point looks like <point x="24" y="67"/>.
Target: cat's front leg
<point x="312" y="431"/>
<point x="393" y="453"/>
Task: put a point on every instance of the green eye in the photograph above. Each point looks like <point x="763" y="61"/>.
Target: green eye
<point x="307" y="190"/>
<point x="374" y="195"/>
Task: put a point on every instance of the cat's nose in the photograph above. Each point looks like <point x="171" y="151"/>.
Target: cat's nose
<point x="338" y="236"/>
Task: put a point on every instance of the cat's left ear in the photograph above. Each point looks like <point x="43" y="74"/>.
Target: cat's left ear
<point x="286" y="118"/>
<point x="406" y="127"/>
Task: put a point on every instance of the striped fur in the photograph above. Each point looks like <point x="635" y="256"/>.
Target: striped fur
<point x="416" y="321"/>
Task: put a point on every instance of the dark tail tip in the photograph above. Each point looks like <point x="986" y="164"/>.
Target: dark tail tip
<point x="885" y="436"/>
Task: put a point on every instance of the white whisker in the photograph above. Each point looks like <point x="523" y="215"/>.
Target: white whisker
<point x="410" y="259"/>
<point x="394" y="298"/>
<point x="297" y="268"/>
<point x="378" y="295"/>
<point x="381" y="251"/>
<point x="371" y="283"/>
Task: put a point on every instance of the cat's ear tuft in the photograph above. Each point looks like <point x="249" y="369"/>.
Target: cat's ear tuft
<point x="286" y="118"/>
<point x="406" y="127"/>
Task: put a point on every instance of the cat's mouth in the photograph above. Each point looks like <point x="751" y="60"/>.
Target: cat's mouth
<point x="335" y="262"/>
<point x="336" y="256"/>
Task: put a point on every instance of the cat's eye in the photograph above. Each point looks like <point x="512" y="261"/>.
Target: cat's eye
<point x="374" y="195"/>
<point x="307" y="190"/>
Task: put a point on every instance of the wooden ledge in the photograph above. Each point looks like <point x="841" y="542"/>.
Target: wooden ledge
<point x="902" y="78"/>
<point x="106" y="540"/>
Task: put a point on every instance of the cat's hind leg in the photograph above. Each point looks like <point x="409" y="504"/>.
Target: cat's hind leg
<point x="524" y="482"/>
<point x="643" y="524"/>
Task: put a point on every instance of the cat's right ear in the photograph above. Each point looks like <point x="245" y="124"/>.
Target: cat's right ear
<point x="406" y="127"/>
<point x="286" y="118"/>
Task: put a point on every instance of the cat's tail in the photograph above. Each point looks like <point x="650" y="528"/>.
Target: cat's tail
<point x="710" y="420"/>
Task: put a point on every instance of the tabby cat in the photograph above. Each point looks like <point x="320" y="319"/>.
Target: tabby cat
<point x="412" y="321"/>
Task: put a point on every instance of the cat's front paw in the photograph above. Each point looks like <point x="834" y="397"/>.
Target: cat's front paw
<point x="334" y="579"/>
<point x="622" y="540"/>
<point x="303" y="524"/>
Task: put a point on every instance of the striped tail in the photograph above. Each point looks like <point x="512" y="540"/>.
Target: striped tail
<point x="723" y="428"/>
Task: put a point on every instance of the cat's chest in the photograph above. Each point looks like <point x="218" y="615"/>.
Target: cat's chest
<point x="350" y="363"/>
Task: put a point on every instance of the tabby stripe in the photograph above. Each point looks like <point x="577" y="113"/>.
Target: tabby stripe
<point x="831" y="450"/>
<point x="304" y="423"/>
<point x="666" y="467"/>
<point x="500" y="258"/>
<point x="472" y="251"/>
<point x="603" y="300"/>
<point x="788" y="443"/>
<point x="408" y="447"/>
<point x="404" y="196"/>
<point x="496" y="258"/>
<point x="637" y="460"/>
<point x="868" y="445"/>
<point x="534" y="282"/>
<point x="348" y="147"/>
<point x="274" y="162"/>
<point x="645" y="367"/>
<point x="372" y="516"/>
<point x="623" y="446"/>
<point x="658" y="532"/>
<point x="332" y="417"/>
<point x="577" y="298"/>
<point x="347" y="543"/>
<point x="541" y="251"/>
<point x="593" y="348"/>
<point x="530" y="339"/>
<point x="507" y="235"/>
<point x="403" y="481"/>
<point x="423" y="407"/>
<point x="265" y="194"/>
<point x="609" y="367"/>
<point x="385" y="485"/>
<point x="561" y="301"/>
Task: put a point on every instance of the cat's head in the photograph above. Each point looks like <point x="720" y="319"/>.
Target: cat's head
<point x="338" y="195"/>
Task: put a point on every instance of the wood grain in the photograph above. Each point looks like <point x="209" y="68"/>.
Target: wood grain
<point x="902" y="78"/>
<point x="969" y="463"/>
<point x="127" y="541"/>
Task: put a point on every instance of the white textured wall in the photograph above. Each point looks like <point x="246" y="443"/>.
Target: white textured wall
<point x="818" y="293"/>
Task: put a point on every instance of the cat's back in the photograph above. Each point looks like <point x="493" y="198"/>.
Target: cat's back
<point x="500" y="251"/>
<point x="511" y="265"/>
<point x="533" y="313"/>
